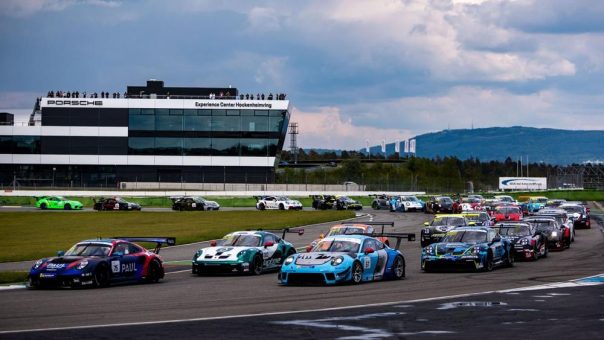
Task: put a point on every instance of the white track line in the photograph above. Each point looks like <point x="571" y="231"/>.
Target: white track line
<point x="274" y="313"/>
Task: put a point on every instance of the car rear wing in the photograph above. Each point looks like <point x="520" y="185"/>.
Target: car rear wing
<point x="398" y="236"/>
<point x="299" y="231"/>
<point x="159" y="241"/>
<point x="383" y="224"/>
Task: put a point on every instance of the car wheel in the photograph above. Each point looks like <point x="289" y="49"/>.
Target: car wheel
<point x="154" y="272"/>
<point x="489" y="264"/>
<point x="426" y="267"/>
<point x="31" y="284"/>
<point x="375" y="206"/>
<point x="281" y="207"/>
<point x="256" y="266"/>
<point x="424" y="243"/>
<point x="399" y="268"/>
<point x="357" y="273"/>
<point x="67" y="206"/>
<point x="101" y="277"/>
<point x="261" y="206"/>
<point x="43" y="206"/>
<point x="510" y="259"/>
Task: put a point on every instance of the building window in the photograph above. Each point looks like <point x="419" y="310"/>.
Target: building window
<point x="254" y="124"/>
<point x="141" y="122"/>
<point x="168" y="123"/>
<point x="225" y="147"/>
<point x="197" y="123"/>
<point x="168" y="146"/>
<point x="276" y="121"/>
<point x="141" y="145"/>
<point x="197" y="146"/>
<point x="254" y="147"/>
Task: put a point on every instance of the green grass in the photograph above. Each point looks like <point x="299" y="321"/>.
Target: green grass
<point x="27" y="235"/>
<point x="12" y="277"/>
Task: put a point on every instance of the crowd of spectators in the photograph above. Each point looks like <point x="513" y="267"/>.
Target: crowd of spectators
<point x="221" y="95"/>
<point x="77" y="94"/>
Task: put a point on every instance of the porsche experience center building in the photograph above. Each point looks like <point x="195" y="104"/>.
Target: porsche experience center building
<point x="149" y="134"/>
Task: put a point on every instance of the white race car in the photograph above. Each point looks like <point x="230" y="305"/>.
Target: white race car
<point x="277" y="202"/>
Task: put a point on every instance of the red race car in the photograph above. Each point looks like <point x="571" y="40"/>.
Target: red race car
<point x="506" y="213"/>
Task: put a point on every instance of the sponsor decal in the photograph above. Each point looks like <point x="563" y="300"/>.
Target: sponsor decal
<point x="367" y="262"/>
<point x="55" y="265"/>
<point x="115" y="266"/>
<point x="128" y="267"/>
<point x="234" y="104"/>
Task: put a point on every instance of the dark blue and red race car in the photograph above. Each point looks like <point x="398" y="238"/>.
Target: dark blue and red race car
<point x="101" y="262"/>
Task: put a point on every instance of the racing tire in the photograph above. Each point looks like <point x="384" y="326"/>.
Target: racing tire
<point x="101" y="276"/>
<point x="31" y="284"/>
<point x="546" y="250"/>
<point x="399" y="268"/>
<point x="281" y="207"/>
<point x="375" y="206"/>
<point x="43" y="206"/>
<point x="261" y="206"/>
<point x="256" y="266"/>
<point x="67" y="206"/>
<point x="357" y="273"/>
<point x="154" y="272"/>
<point x="489" y="264"/>
<point x="424" y="243"/>
<point x="510" y="259"/>
<point x="427" y="268"/>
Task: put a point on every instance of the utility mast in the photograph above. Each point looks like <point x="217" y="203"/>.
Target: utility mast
<point x="293" y="144"/>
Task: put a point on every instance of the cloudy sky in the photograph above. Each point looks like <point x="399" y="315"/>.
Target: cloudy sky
<point x="354" y="70"/>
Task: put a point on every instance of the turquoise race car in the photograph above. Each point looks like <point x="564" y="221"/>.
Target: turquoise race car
<point x="346" y="258"/>
<point x="58" y="202"/>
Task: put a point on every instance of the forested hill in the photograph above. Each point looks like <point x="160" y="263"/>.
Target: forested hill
<point x="541" y="145"/>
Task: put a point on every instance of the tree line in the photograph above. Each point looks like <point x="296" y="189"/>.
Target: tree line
<point x="448" y="174"/>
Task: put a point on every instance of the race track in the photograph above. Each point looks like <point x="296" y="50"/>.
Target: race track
<point x="182" y="295"/>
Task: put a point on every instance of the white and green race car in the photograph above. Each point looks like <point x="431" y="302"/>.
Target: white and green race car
<point x="248" y="252"/>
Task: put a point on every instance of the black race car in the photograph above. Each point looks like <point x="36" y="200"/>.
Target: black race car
<point x="439" y="205"/>
<point x="381" y="202"/>
<point x="347" y="203"/>
<point x="115" y="203"/>
<point x="528" y="243"/>
<point x="435" y="230"/>
<point x="193" y="203"/>
<point x="323" y="202"/>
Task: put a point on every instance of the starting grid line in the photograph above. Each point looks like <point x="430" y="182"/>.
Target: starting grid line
<point x="581" y="282"/>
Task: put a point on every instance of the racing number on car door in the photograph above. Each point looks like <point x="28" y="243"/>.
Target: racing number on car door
<point x="371" y="260"/>
<point x="123" y="263"/>
<point x="498" y="251"/>
<point x="268" y="253"/>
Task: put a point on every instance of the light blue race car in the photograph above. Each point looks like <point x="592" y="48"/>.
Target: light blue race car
<point x="346" y="258"/>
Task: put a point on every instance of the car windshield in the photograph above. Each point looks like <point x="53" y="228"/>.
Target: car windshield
<point x="465" y="236"/>
<point x="456" y="221"/>
<point x="542" y="200"/>
<point x="445" y="200"/>
<point x="477" y="217"/>
<point x="244" y="240"/>
<point x="346" y="230"/>
<point x="518" y="230"/>
<point x="470" y="200"/>
<point x="505" y="198"/>
<point x="338" y="245"/>
<point x="121" y="201"/>
<point x="199" y="199"/>
<point x="282" y="198"/>
<point x="89" y="249"/>
<point x="507" y="210"/>
<point x="543" y="225"/>
<point x="573" y="209"/>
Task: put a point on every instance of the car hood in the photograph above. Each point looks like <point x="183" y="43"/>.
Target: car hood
<point x="60" y="263"/>
<point x="212" y="203"/>
<point x="452" y="247"/>
<point x="222" y="253"/>
<point x="318" y="258"/>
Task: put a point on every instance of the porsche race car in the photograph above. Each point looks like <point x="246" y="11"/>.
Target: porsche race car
<point x="115" y="203"/>
<point x="346" y="258"/>
<point x="58" y="202"/>
<point x="277" y="202"/>
<point x="101" y="262"/>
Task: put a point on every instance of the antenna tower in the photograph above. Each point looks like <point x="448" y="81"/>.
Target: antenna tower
<point x="293" y="145"/>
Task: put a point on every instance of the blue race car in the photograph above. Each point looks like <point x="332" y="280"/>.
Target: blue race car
<point x="346" y="258"/>
<point x="470" y="248"/>
<point x="100" y="262"/>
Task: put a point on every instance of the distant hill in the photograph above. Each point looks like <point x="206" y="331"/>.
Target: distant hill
<point x="551" y="146"/>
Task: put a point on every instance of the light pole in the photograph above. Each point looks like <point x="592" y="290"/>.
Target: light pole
<point x="53" y="176"/>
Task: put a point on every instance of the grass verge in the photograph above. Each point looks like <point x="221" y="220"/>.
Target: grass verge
<point x="12" y="277"/>
<point x="29" y="236"/>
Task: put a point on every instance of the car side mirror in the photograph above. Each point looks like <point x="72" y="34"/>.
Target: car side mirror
<point x="369" y="251"/>
<point x="322" y="235"/>
<point x="308" y="248"/>
<point x="60" y="253"/>
<point x="268" y="244"/>
<point x="427" y="224"/>
<point x="213" y="243"/>
<point x="496" y="239"/>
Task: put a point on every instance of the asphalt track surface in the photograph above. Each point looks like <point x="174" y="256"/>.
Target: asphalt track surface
<point x="182" y="296"/>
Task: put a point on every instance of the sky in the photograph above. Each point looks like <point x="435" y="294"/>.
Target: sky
<point x="355" y="71"/>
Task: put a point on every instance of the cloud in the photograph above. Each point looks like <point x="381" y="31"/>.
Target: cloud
<point x="325" y="127"/>
<point x="25" y="8"/>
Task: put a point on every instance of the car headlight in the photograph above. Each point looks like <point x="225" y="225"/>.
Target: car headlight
<point x="241" y="253"/>
<point x="554" y="233"/>
<point x="197" y="254"/>
<point x="524" y="241"/>
<point x="337" y="261"/>
<point x="429" y="249"/>
<point x="82" y="264"/>
<point x="288" y="260"/>
<point x="472" y="251"/>
<point x="38" y="264"/>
